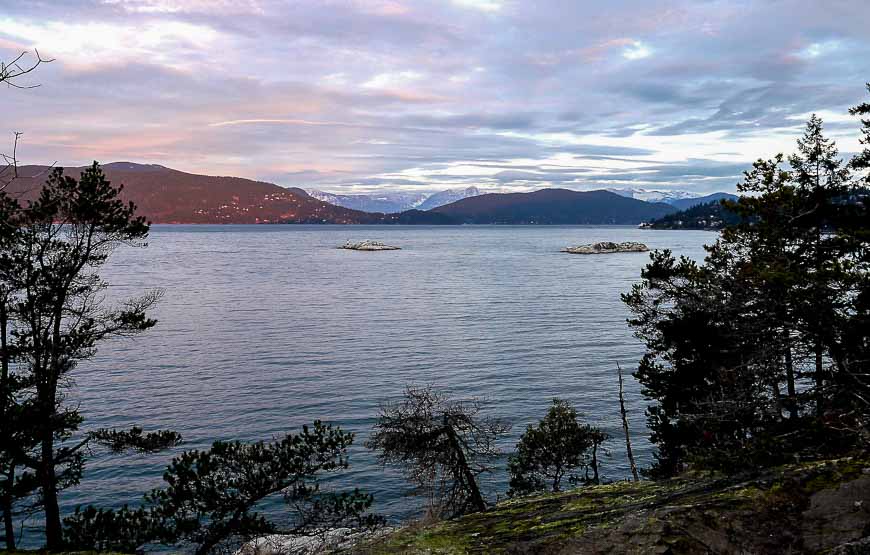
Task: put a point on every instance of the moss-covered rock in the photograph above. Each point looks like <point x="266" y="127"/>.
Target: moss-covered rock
<point x="803" y="508"/>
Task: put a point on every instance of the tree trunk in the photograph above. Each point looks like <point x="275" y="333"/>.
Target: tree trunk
<point x="820" y="380"/>
<point x="789" y="376"/>
<point x="468" y="475"/>
<point x="5" y="399"/>
<point x="595" y="464"/>
<point x="4" y="357"/>
<point x="817" y="301"/>
<point x="46" y="473"/>
<point x="8" y="525"/>
<point x="777" y="397"/>
<point x="628" y="451"/>
<point x="48" y="481"/>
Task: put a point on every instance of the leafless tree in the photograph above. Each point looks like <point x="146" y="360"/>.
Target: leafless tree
<point x="441" y="444"/>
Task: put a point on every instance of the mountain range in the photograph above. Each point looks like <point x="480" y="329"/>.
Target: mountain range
<point x="387" y="203"/>
<point x="447" y="197"/>
<point x="392" y="202"/>
<point x="654" y="195"/>
<point x="165" y="195"/>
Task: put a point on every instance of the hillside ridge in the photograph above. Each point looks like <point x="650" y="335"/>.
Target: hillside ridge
<point x="166" y="195"/>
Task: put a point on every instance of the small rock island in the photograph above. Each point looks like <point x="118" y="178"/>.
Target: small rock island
<point x="607" y="247"/>
<point x="369" y="246"/>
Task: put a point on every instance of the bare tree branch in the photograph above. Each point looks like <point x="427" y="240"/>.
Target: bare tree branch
<point x="10" y="73"/>
<point x="17" y="68"/>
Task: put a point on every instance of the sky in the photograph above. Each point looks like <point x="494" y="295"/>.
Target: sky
<point x="370" y="95"/>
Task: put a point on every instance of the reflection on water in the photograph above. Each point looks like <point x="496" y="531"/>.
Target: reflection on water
<point x="264" y="328"/>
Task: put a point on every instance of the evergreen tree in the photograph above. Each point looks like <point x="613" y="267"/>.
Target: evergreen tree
<point x="14" y="485"/>
<point x="701" y="361"/>
<point x="211" y="499"/>
<point x="53" y="318"/>
<point x="12" y="434"/>
<point x="861" y="162"/>
<point x="850" y="384"/>
<point x="554" y="450"/>
<point x="774" y="307"/>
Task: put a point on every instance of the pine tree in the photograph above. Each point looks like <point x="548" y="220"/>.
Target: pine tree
<point x="554" y="450"/>
<point x="50" y="252"/>
<point x="777" y="304"/>
<point x="211" y="498"/>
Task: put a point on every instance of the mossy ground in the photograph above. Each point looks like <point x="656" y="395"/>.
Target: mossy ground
<point x="679" y="515"/>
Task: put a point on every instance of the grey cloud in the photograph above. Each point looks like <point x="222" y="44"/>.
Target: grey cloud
<point x="549" y="177"/>
<point x="349" y="93"/>
<point x="604" y="150"/>
<point x="769" y="107"/>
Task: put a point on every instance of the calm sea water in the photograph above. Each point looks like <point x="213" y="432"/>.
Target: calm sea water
<point x="265" y="328"/>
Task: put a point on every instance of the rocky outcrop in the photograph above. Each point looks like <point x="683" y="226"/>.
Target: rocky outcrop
<point x="607" y="247"/>
<point x="368" y="246"/>
<point x="821" y="507"/>
<point x="327" y="541"/>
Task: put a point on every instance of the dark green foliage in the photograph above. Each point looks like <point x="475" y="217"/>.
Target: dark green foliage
<point x="212" y="497"/>
<point x="52" y="317"/>
<point x="94" y="529"/>
<point x="211" y="494"/>
<point x="442" y="445"/>
<point x="861" y="162"/>
<point x="135" y="439"/>
<point x="15" y="436"/>
<point x="553" y="450"/>
<point x="697" y="343"/>
<point x="711" y="215"/>
<point x="758" y="355"/>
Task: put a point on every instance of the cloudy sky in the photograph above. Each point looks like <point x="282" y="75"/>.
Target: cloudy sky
<point x="360" y="95"/>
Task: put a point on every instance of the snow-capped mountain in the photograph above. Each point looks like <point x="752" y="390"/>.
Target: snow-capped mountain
<point x="681" y="200"/>
<point x="392" y="202"/>
<point x="388" y="203"/>
<point x="653" y="195"/>
<point x="448" y="196"/>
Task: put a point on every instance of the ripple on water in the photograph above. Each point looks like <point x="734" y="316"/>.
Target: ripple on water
<point x="263" y="329"/>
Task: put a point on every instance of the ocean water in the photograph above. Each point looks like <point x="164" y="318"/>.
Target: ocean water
<point x="265" y="328"/>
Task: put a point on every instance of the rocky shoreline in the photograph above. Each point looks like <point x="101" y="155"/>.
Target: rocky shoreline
<point x="334" y="540"/>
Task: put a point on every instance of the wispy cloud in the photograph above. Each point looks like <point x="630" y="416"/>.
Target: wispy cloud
<point x="366" y="94"/>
